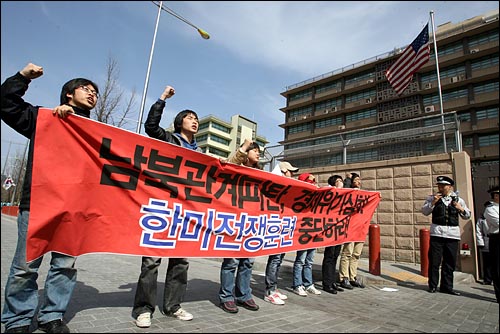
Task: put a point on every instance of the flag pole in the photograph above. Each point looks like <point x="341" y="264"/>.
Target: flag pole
<point x="438" y="80"/>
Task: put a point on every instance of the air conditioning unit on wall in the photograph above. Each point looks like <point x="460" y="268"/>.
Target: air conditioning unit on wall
<point x="428" y="85"/>
<point x="474" y="50"/>
<point x="429" y="108"/>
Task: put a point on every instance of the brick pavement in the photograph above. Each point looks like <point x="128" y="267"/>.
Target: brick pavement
<point x="106" y="284"/>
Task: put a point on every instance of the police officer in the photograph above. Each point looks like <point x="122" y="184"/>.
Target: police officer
<point x="445" y="207"/>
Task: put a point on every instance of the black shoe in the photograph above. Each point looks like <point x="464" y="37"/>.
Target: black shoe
<point x="450" y="292"/>
<point x="487" y="283"/>
<point x="337" y="287"/>
<point x="345" y="284"/>
<point x="432" y="290"/>
<point x="357" y="284"/>
<point x="330" y="290"/>
<point x="54" y="326"/>
<point x="229" y="307"/>
<point x="248" y="304"/>
<point x="20" y="329"/>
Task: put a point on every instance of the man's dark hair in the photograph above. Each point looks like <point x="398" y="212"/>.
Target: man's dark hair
<point x="332" y="179"/>
<point x="180" y="117"/>
<point x="70" y="86"/>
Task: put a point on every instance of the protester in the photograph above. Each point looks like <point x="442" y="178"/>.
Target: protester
<point x="240" y="290"/>
<point x="272" y="294"/>
<point x="331" y="253"/>
<point x="185" y="128"/>
<point x="445" y="207"/>
<point x="78" y="96"/>
<point x="351" y="252"/>
<point x="347" y="180"/>
<point x="491" y="216"/>
<point x="482" y="240"/>
<point x="302" y="267"/>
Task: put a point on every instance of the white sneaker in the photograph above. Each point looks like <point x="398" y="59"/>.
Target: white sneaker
<point x="181" y="314"/>
<point x="274" y="299"/>
<point x="282" y="296"/>
<point x="312" y="289"/>
<point x="301" y="291"/>
<point x="143" y="320"/>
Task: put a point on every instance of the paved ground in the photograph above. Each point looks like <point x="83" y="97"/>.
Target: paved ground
<point x="106" y="284"/>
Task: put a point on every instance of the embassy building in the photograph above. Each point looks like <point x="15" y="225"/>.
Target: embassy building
<point x="351" y="120"/>
<point x="352" y="115"/>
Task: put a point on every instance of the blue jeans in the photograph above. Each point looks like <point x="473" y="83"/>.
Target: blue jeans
<point x="176" y="280"/>
<point x="302" y="268"/>
<point x="272" y="272"/>
<point x="21" y="290"/>
<point x="242" y="289"/>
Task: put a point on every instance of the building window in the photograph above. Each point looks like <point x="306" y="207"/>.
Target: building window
<point x="218" y="139"/>
<point x="329" y="104"/>
<point x="299" y="128"/>
<point x="328" y="122"/>
<point x="487" y="87"/>
<point x="328" y="86"/>
<point x="362" y="114"/>
<point x="485" y="62"/>
<point x="485" y="37"/>
<point x="488" y="140"/>
<point x="364" y="94"/>
<point x="300" y="112"/>
<point x="218" y="152"/>
<point x="488" y="113"/>
<point x="300" y="95"/>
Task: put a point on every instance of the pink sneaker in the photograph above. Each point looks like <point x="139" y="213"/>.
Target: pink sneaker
<point x="274" y="299"/>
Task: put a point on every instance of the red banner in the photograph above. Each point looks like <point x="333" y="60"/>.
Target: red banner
<point x="100" y="189"/>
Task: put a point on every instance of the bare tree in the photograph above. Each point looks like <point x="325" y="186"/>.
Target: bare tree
<point x="109" y="108"/>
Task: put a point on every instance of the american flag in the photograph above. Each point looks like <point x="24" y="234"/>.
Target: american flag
<point x="413" y="58"/>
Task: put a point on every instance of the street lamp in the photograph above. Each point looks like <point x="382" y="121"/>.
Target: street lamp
<point x="202" y="32"/>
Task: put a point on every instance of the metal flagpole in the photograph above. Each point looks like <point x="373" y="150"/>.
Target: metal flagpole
<point x="439" y="80"/>
<point x="145" y="91"/>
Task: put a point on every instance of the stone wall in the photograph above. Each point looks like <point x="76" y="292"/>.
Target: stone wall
<point x="404" y="184"/>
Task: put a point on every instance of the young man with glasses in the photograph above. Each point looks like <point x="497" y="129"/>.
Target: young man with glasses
<point x="78" y="96"/>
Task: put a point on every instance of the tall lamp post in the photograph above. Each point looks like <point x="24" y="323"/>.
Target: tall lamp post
<point x="203" y="34"/>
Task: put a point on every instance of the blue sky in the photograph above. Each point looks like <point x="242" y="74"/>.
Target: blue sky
<point x="256" y="49"/>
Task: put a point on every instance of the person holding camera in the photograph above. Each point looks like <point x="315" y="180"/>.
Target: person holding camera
<point x="445" y="207"/>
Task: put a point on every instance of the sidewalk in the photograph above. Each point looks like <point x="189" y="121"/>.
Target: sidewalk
<point x="106" y="283"/>
<point x="391" y="273"/>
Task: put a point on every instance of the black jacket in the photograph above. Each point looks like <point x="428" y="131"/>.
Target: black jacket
<point x="152" y="124"/>
<point x="22" y="116"/>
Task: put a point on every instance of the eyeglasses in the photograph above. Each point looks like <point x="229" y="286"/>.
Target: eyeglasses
<point x="89" y="91"/>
